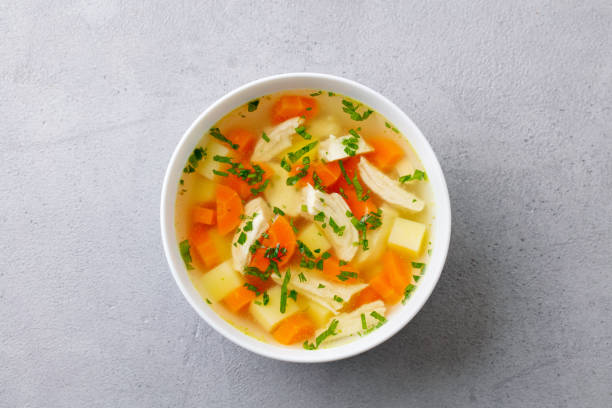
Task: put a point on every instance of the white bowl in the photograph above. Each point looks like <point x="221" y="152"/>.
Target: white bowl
<point x="441" y="224"/>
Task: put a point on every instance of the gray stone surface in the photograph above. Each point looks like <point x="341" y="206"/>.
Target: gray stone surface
<point x="515" y="97"/>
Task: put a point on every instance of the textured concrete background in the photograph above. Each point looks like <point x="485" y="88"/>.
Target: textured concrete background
<point x="515" y="97"/>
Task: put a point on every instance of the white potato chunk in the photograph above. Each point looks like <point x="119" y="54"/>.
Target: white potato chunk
<point x="322" y="127"/>
<point x="407" y="236"/>
<point x="313" y="238"/>
<point x="269" y="315"/>
<point x="207" y="164"/>
<point x="219" y="281"/>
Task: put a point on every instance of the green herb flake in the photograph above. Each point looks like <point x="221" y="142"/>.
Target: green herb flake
<point x="338" y="230"/>
<point x="285" y="165"/>
<point x="378" y="316"/>
<point x="292" y="295"/>
<point x="417" y="175"/>
<point x="320" y="217"/>
<point x="261" y="188"/>
<point x="364" y="325"/>
<point x="252" y="106"/>
<point x="316" y="93"/>
<point x="283" y="298"/>
<point x="351" y="109"/>
<point x="266" y="298"/>
<point x="242" y="238"/>
<point x="252" y="288"/>
<point x="304" y="208"/>
<point x="321" y="286"/>
<point x="301" y="130"/>
<point x="387" y="124"/>
<point x="216" y="133"/>
<point x="338" y="299"/>
<point x="278" y="211"/>
<point x="331" y="331"/>
<point x="194" y="159"/>
<point x="346" y="275"/>
<point x="302" y="277"/>
<point x="220" y="173"/>
<point x="208" y="301"/>
<point x="326" y="255"/>
<point x="407" y="292"/>
<point x="294" y="156"/>
<point x="265" y="137"/>
<point x="185" y="254"/>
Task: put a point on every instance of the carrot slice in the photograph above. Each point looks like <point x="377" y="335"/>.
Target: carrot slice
<point x="386" y="153"/>
<point x="358" y="207"/>
<point x="229" y="209"/>
<point x="294" y="329"/>
<point x="280" y="235"/>
<point x="203" y="215"/>
<point x="199" y="238"/>
<point x="346" y="274"/>
<point x="241" y="186"/>
<point x="391" y="282"/>
<point x="290" y="106"/>
<point x="327" y="174"/>
<point x="367" y="295"/>
<point x="245" y="139"/>
<point x="238" y="299"/>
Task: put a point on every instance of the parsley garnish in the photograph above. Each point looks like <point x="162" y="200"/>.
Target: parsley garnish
<point x="278" y="211"/>
<point x="302" y="277"/>
<point x="387" y="124"/>
<point x="266" y="298"/>
<point x="320" y="217"/>
<point x="418" y="175"/>
<point x="252" y="288"/>
<point x="283" y="299"/>
<point x="304" y="208"/>
<point x="208" y="301"/>
<point x="337" y="229"/>
<point x="316" y="93"/>
<point x="326" y="255"/>
<point x="294" y="156"/>
<point x="252" y="106"/>
<point x="216" y="133"/>
<point x="321" y="286"/>
<point x="220" y="173"/>
<point x="364" y="325"/>
<point x="285" y="165"/>
<point x="194" y="159"/>
<point x="378" y="316"/>
<point x="407" y="292"/>
<point x="293" y="295"/>
<point x="321" y="337"/>
<point x="301" y="130"/>
<point x="346" y="275"/>
<point x="185" y="254"/>
<point x="242" y="238"/>
<point x="261" y="188"/>
<point x="343" y="170"/>
<point x="351" y="109"/>
<point x="253" y="270"/>
<point x="265" y="137"/>
<point x="338" y="299"/>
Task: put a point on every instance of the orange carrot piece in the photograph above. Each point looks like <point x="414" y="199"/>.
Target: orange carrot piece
<point x="238" y="299"/>
<point x="334" y="272"/>
<point x="398" y="275"/>
<point x="229" y="209"/>
<point x="382" y="286"/>
<point x="386" y="153"/>
<point x="290" y="106"/>
<point x="203" y="215"/>
<point x="294" y="329"/>
<point x="241" y="186"/>
<point x="367" y="295"/>
<point x="280" y="234"/>
<point x="205" y="248"/>
<point x="358" y="207"/>
<point x="245" y="139"/>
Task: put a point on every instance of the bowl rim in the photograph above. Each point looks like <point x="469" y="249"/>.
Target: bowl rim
<point x="350" y="88"/>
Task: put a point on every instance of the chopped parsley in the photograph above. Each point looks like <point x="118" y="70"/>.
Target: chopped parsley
<point x="351" y="144"/>
<point x="254" y="271"/>
<point x="331" y="94"/>
<point x="346" y="275"/>
<point x="266" y="298"/>
<point x="351" y="109"/>
<point x="285" y="165"/>
<point x="304" y="208"/>
<point x="261" y="188"/>
<point x="278" y="211"/>
<point x="302" y="277"/>
<point x="293" y="295"/>
<point x="294" y="156"/>
<point x="338" y="230"/>
<point x="293" y="227"/>
<point x="359" y="190"/>
<point x="338" y="299"/>
<point x="208" y="301"/>
<point x="252" y="288"/>
<point x="194" y="158"/>
<point x="318" y="183"/>
<point x="371" y="220"/>
<point x="242" y="238"/>
<point x="216" y="133"/>
<point x="252" y="106"/>
<point x="283" y="298"/>
<point x="321" y="337"/>
<point x="321" y="286"/>
<point x="265" y="137"/>
<point x="364" y="325"/>
<point x="301" y="130"/>
<point x="378" y="316"/>
<point x="185" y="254"/>
<point x="343" y="170"/>
<point x="316" y="93"/>
<point x="387" y="124"/>
<point x="417" y="175"/>
<point x="320" y="217"/>
<point x="220" y="173"/>
<point x="407" y="292"/>
<point x="326" y="255"/>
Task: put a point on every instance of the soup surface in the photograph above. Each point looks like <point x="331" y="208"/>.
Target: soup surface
<point x="304" y="218"/>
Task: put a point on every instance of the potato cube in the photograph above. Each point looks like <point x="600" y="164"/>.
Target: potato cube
<point x="407" y="236"/>
<point x="203" y="189"/>
<point x="319" y="314"/>
<point x="219" y="281"/>
<point x="269" y="315"/>
<point x="207" y="164"/>
<point x="313" y="238"/>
